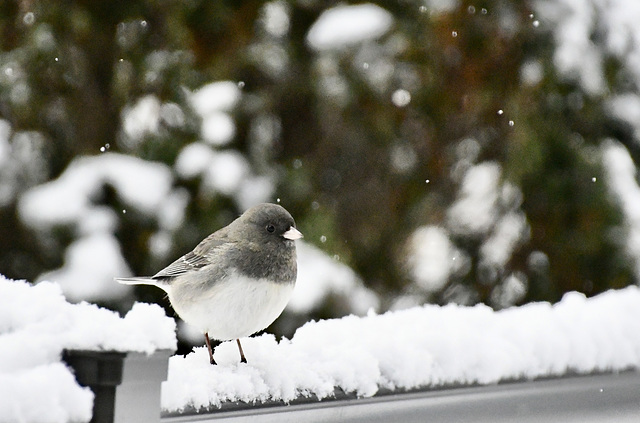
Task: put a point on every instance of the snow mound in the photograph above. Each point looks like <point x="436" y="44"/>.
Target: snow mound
<point x="72" y="200"/>
<point x="418" y="347"/>
<point x="47" y="394"/>
<point x="95" y="258"/>
<point x="223" y="171"/>
<point x="343" y="26"/>
<point x="68" y="199"/>
<point x="622" y="183"/>
<point x="320" y="276"/>
<point x="213" y="102"/>
<point x="37" y="324"/>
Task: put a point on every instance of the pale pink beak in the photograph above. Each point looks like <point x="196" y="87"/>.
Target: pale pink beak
<point x="292" y="234"/>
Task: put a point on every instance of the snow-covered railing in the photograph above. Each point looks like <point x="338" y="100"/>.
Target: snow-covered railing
<point x="429" y="346"/>
<point x="126" y="385"/>
<point x="595" y="398"/>
<point x="114" y="366"/>
<point x="427" y="361"/>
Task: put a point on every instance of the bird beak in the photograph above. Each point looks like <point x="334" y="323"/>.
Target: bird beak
<point x="292" y="234"/>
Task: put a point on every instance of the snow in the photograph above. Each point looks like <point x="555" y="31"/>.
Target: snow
<point x="148" y="116"/>
<point x="475" y="210"/>
<point x="579" y="55"/>
<point x="142" y="118"/>
<point x="436" y="7"/>
<point x="626" y="107"/>
<point x="489" y="207"/>
<point x="46" y="394"/>
<point x="215" y="96"/>
<point x="576" y="56"/>
<point x="212" y="102"/>
<point x="510" y="291"/>
<point x="622" y="183"/>
<point x="97" y="258"/>
<point x="23" y="161"/>
<point x="422" y="346"/>
<point x="508" y="233"/>
<point x="7" y="185"/>
<point x="65" y="200"/>
<point x="433" y="258"/>
<point x="37" y="323"/>
<point x="193" y="160"/>
<point x="418" y="347"/>
<point x="223" y="171"/>
<point x="320" y="276"/>
<point x="94" y="258"/>
<point x="344" y="26"/>
<point x="171" y="212"/>
<point x="254" y="190"/>
<point x="426" y="346"/>
<point x="531" y="72"/>
<point x="401" y="98"/>
<point x="275" y="18"/>
<point x="226" y="171"/>
<point x="5" y="147"/>
<point x="218" y="128"/>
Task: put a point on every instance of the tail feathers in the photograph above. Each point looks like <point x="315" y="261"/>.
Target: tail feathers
<point x="137" y="281"/>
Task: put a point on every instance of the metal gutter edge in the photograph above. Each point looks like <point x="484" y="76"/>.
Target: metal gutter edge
<point x="601" y="398"/>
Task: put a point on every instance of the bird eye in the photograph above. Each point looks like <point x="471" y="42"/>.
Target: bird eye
<point x="271" y="228"/>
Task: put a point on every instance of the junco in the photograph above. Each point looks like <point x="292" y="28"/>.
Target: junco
<point x="238" y="280"/>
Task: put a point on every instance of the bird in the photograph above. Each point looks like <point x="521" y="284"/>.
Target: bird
<point x="236" y="281"/>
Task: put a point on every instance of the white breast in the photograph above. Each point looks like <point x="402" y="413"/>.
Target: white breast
<point x="232" y="308"/>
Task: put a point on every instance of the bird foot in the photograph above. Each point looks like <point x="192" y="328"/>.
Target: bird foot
<point x="209" y="350"/>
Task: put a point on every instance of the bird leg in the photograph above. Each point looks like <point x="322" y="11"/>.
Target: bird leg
<point x="206" y="339"/>
<point x="242" y="357"/>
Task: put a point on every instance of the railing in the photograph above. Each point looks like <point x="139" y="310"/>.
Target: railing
<point x="597" y="398"/>
<point x="126" y="385"/>
<point x="127" y="388"/>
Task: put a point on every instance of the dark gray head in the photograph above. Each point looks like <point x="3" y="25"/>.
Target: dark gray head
<point x="270" y="250"/>
<point x="271" y="222"/>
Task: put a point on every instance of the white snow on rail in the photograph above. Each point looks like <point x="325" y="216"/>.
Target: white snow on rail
<point x="37" y="324"/>
<point x="419" y="347"/>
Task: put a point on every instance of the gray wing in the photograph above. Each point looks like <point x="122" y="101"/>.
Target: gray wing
<point x="194" y="260"/>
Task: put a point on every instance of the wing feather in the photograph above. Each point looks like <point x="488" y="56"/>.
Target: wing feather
<point x="193" y="260"/>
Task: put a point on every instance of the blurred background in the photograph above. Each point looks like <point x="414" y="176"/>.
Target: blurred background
<point x="431" y="151"/>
